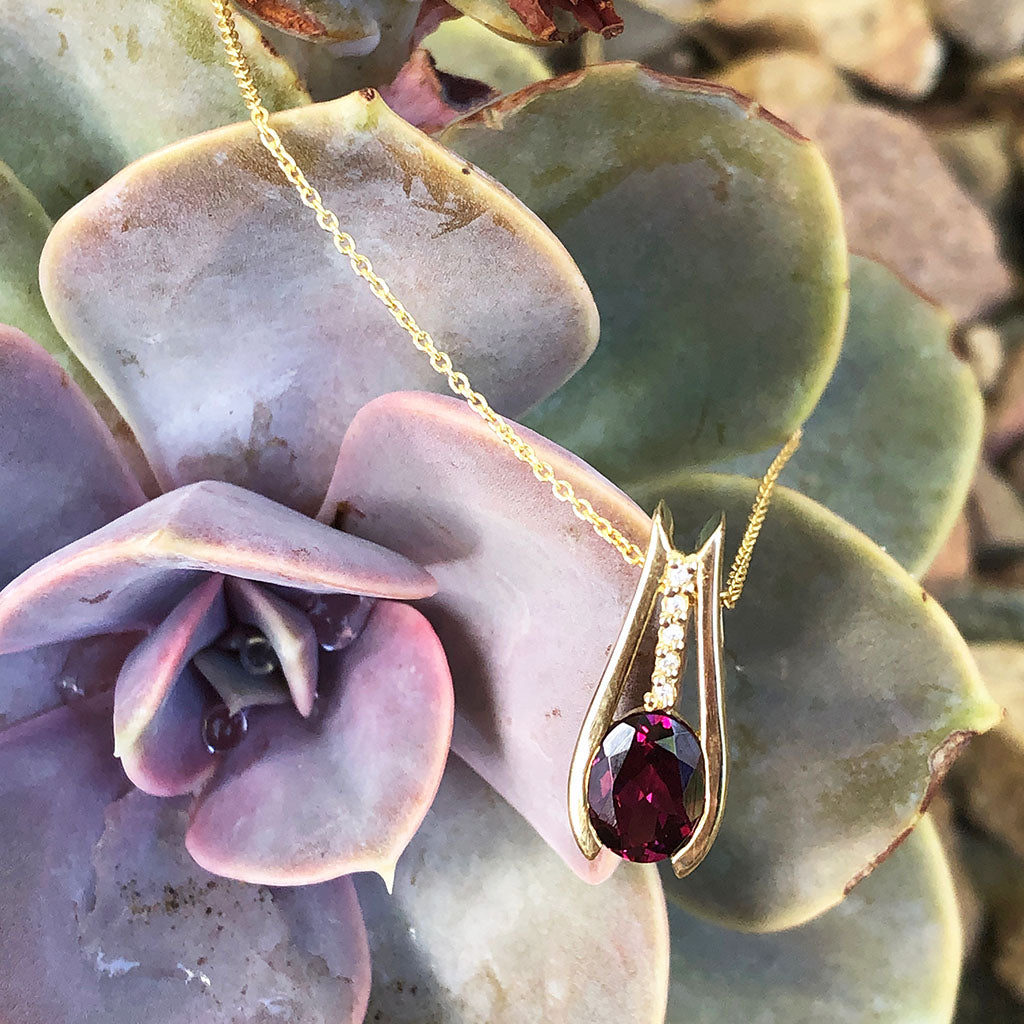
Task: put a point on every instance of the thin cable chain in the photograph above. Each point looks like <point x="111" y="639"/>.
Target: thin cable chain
<point x="441" y="362"/>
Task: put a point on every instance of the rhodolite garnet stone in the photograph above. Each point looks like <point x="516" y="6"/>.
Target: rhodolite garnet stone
<point x="646" y="788"/>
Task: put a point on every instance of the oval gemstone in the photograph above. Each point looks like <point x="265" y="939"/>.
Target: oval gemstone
<point x="646" y="789"/>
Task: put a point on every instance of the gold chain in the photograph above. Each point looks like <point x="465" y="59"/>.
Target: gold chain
<point x="441" y="362"/>
<point x="758" y="514"/>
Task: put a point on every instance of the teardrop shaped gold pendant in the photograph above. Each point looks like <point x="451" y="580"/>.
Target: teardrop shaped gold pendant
<point x="680" y="588"/>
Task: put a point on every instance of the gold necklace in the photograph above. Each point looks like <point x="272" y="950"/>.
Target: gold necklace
<point x="667" y="761"/>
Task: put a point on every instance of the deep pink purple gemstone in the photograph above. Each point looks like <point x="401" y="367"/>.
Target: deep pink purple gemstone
<point x="646" y="790"/>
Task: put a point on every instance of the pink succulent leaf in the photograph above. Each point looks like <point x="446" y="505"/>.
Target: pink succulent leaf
<point x="248" y="368"/>
<point x="159" y="702"/>
<point x="39" y="680"/>
<point x="302" y="800"/>
<point x="61" y="473"/>
<point x="290" y="633"/>
<point x="529" y="598"/>
<point x="130" y="574"/>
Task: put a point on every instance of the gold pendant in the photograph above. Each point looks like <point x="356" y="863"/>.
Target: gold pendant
<point x="658" y="789"/>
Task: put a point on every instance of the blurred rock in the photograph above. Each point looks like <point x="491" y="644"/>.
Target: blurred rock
<point x="997" y="518"/>
<point x="991" y="28"/>
<point x="988" y="779"/>
<point x="1005" y="428"/>
<point x="981" y="347"/>
<point x="953" y="562"/>
<point x="980" y="154"/>
<point x="891" y="45"/>
<point x="786" y="80"/>
<point x="904" y="208"/>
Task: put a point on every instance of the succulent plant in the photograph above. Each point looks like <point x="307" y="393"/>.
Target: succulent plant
<point x="227" y="481"/>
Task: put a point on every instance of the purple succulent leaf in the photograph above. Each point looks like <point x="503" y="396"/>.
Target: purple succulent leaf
<point x="105" y="917"/>
<point x="529" y="598"/>
<point x="39" y="680"/>
<point x="290" y="633"/>
<point x="61" y="472"/>
<point x="230" y="952"/>
<point x="302" y="800"/>
<point x="131" y="573"/>
<point x="61" y="476"/>
<point x="237" y="349"/>
<point x="159" y="700"/>
<point x="337" y="619"/>
<point x="164" y="941"/>
<point x="56" y="779"/>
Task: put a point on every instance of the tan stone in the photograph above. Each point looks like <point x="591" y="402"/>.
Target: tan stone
<point x="904" y="208"/>
<point x="992" y="28"/>
<point x="891" y="43"/>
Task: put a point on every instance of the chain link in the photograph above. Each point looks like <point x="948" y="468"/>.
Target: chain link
<point x="441" y="362"/>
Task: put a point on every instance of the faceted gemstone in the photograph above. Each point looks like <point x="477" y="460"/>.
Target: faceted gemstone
<point x="646" y="789"/>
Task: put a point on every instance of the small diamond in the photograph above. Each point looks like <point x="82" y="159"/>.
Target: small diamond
<point x="672" y="635"/>
<point x="681" y="577"/>
<point x="675" y="606"/>
<point x="669" y="662"/>
<point x="659" y="696"/>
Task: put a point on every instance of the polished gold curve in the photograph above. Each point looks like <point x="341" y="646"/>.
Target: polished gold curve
<point x="601" y="714"/>
<point x="605" y="701"/>
<point x="711" y="685"/>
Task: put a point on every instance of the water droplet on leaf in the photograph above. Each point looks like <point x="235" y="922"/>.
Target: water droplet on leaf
<point x="223" y="730"/>
<point x="69" y="689"/>
<point x="258" y="656"/>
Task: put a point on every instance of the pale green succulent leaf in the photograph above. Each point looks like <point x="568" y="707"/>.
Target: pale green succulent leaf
<point x="891" y="446"/>
<point x="722" y="320"/>
<point x="24" y="226"/>
<point x="464" y="47"/>
<point x="347" y="27"/>
<point x="849" y="694"/>
<point x="498" y="16"/>
<point x="90" y="86"/>
<point x="889" y="954"/>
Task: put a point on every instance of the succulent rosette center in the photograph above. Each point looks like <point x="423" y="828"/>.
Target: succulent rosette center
<point x="230" y="649"/>
<point x="255" y="657"/>
<point x="269" y="655"/>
